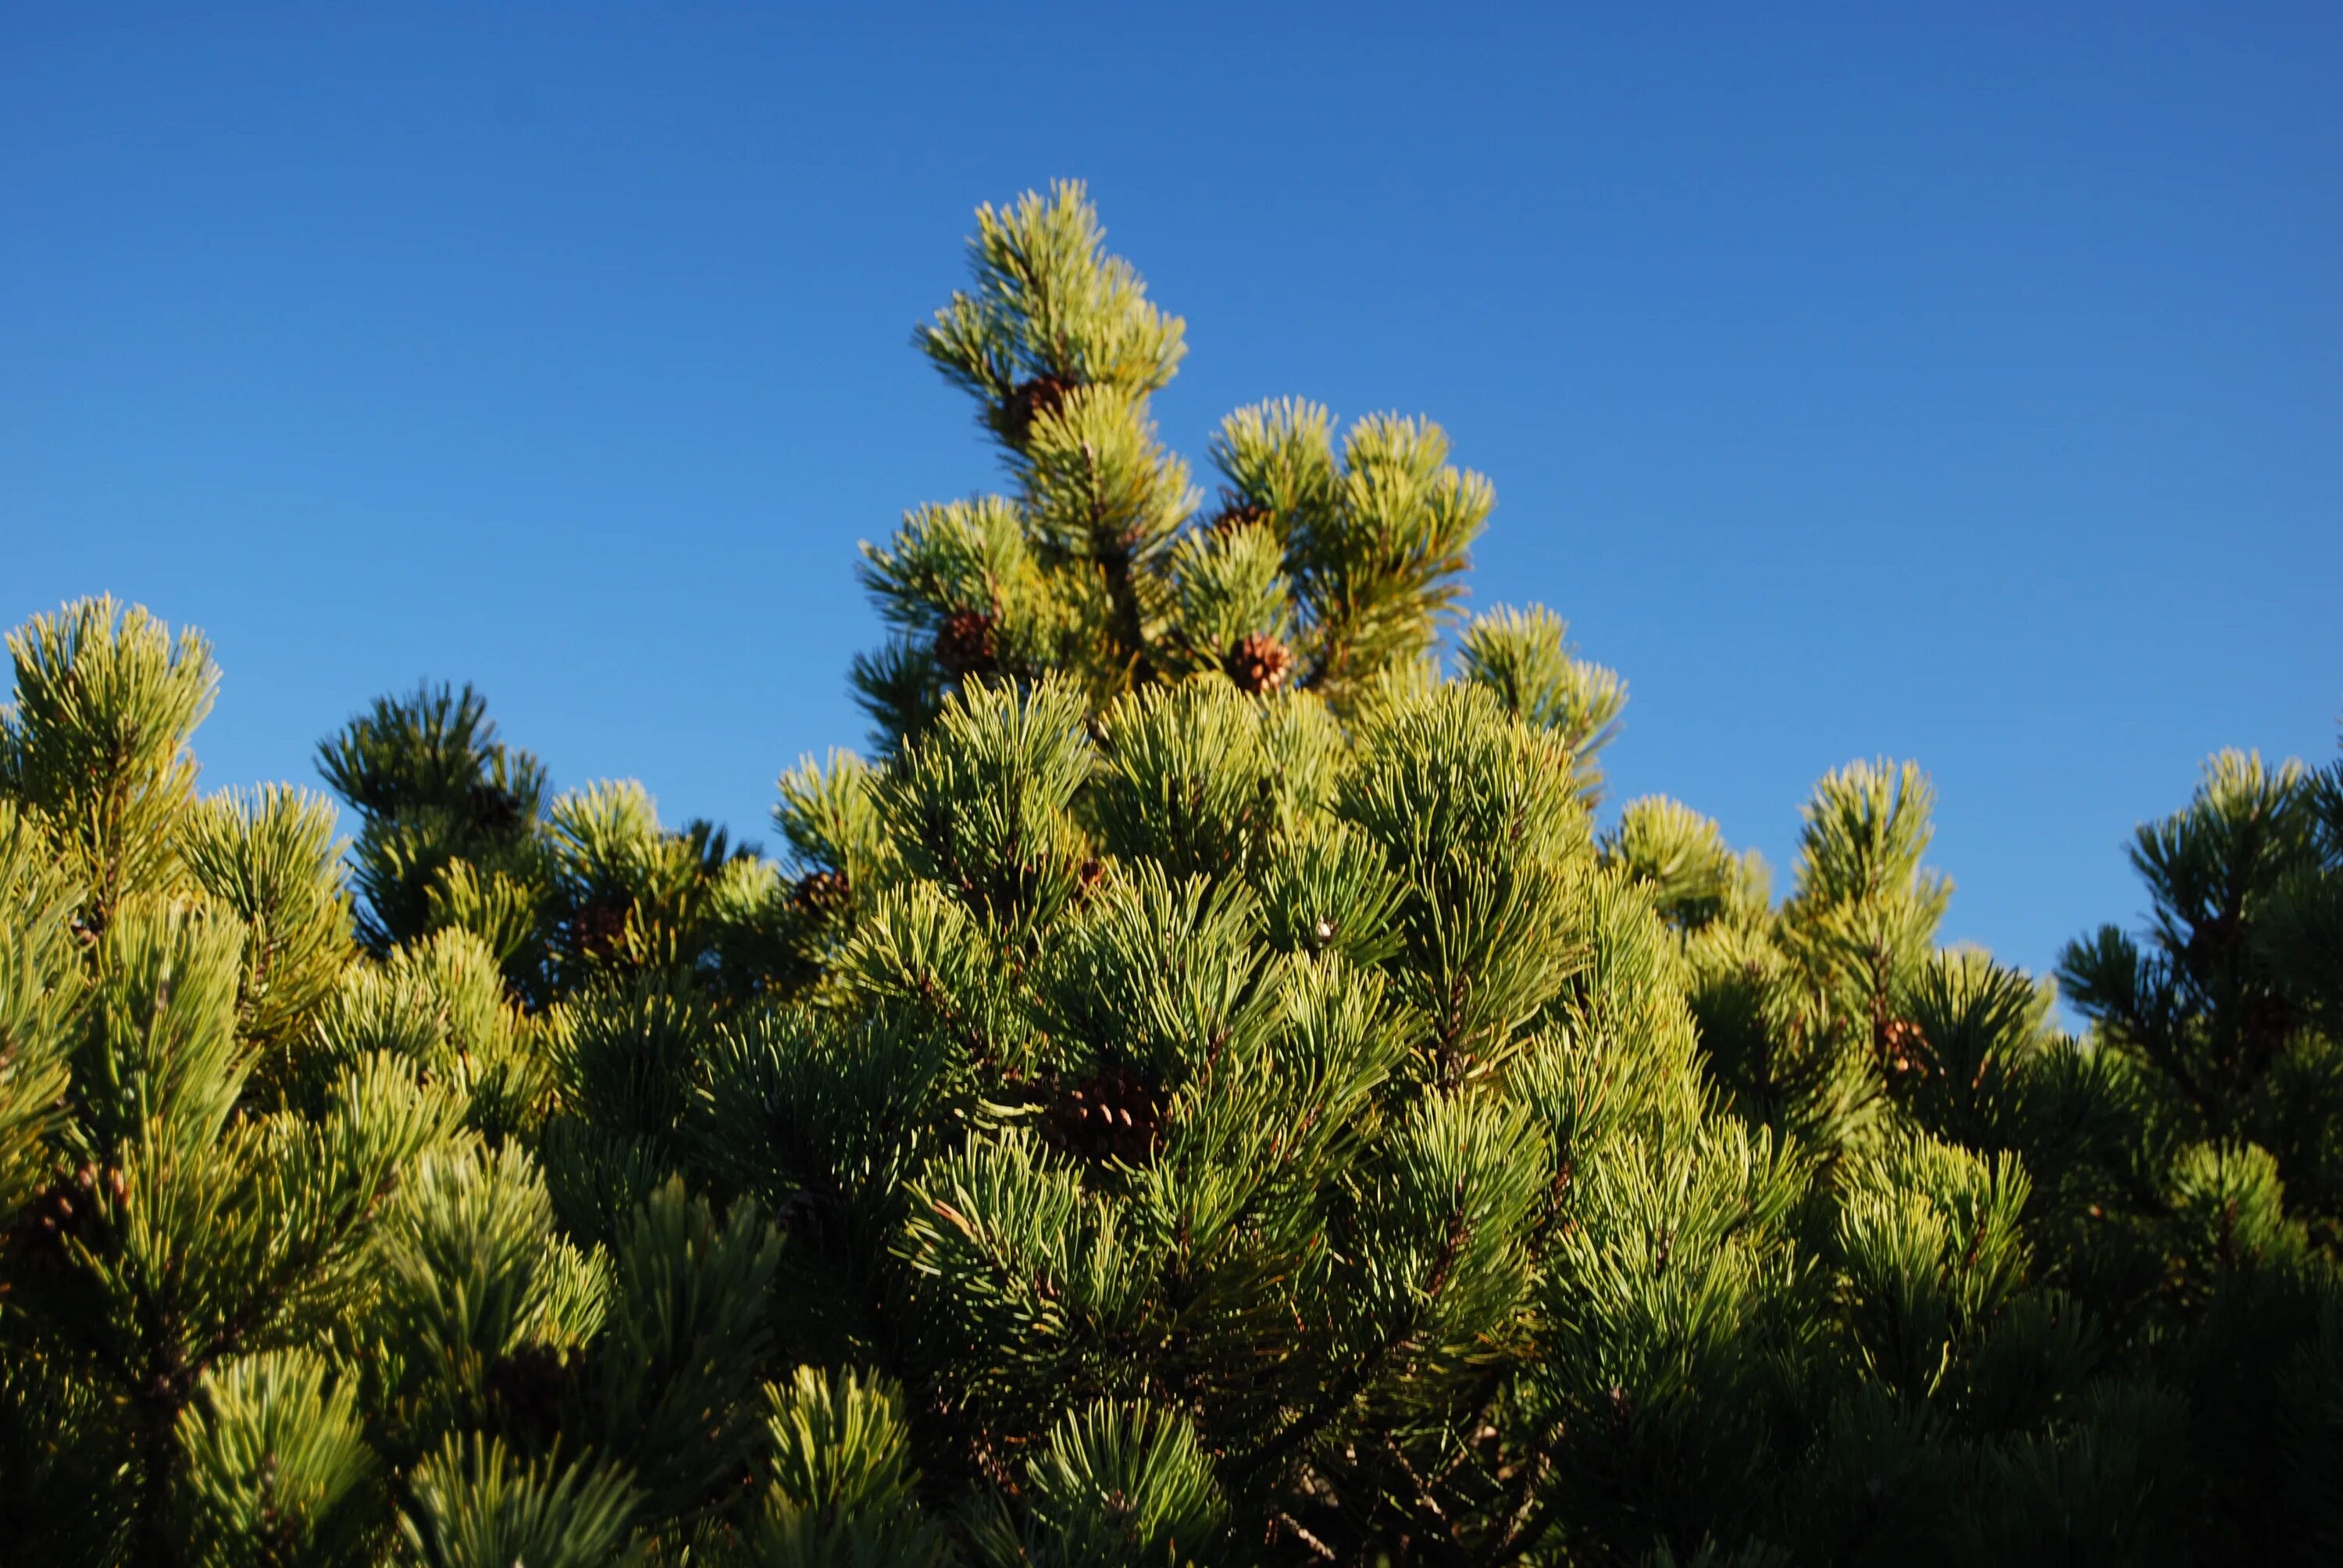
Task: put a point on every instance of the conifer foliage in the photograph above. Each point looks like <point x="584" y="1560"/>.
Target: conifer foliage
<point x="1208" y="1091"/>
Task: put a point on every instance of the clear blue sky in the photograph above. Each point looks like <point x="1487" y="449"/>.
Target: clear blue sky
<point x="1960" y="382"/>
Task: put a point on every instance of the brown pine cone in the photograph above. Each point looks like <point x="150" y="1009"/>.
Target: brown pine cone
<point x="964" y="644"/>
<point x="1237" y="513"/>
<point x="61" y="1212"/>
<point x="1114" y="1114"/>
<point x="41" y="1230"/>
<point x="820" y="892"/>
<point x="1904" y="1050"/>
<point x="599" y="927"/>
<point x="532" y="1384"/>
<point x="802" y="1212"/>
<point x="1259" y="664"/>
<point x="498" y="811"/>
<point x="1028" y="402"/>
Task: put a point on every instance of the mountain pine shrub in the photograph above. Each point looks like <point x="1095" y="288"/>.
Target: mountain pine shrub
<point x="1207" y="1091"/>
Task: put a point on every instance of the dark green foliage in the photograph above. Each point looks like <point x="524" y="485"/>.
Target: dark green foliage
<point x="2224" y="1010"/>
<point x="1207" y="1094"/>
<point x="266" y="1296"/>
<point x="432" y="785"/>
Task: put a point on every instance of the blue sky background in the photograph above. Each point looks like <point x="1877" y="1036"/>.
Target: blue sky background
<point x="1959" y="382"/>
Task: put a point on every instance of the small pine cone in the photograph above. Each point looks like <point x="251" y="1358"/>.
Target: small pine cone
<point x="599" y="927"/>
<point x="41" y="1231"/>
<point x="1623" y="1408"/>
<point x="1904" y="1050"/>
<point x="1028" y="402"/>
<point x="1116" y="1114"/>
<point x="1091" y="875"/>
<point x="801" y="1213"/>
<point x="820" y="892"/>
<point x="59" y="1213"/>
<point x="1237" y="513"/>
<point x="964" y="644"/>
<point x="532" y="1384"/>
<point x="1259" y="664"/>
<point x="276" y="1541"/>
<point x="498" y="811"/>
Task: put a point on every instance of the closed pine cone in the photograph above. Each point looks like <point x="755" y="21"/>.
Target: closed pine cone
<point x="1904" y="1049"/>
<point x="532" y="1384"/>
<point x="1238" y="513"/>
<point x="498" y="811"/>
<point x="1116" y="1113"/>
<point x="964" y="644"/>
<point x="60" y="1212"/>
<point x="1260" y="664"/>
<point x="42" y="1229"/>
<point x="1029" y="401"/>
<point x="599" y="927"/>
<point x="819" y="892"/>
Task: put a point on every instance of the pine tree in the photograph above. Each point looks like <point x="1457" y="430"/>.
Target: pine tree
<point x="280" y="1281"/>
<point x="1323" y="566"/>
<point x="1206" y="1091"/>
<point x="2223" y="1219"/>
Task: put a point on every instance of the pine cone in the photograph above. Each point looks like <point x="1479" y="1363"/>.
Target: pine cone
<point x="1237" y="513"/>
<point x="964" y="645"/>
<point x="532" y="1384"/>
<point x="1030" y="400"/>
<point x="821" y="893"/>
<point x="498" y="811"/>
<point x="1115" y="1114"/>
<point x="1259" y="664"/>
<point x="1904" y="1050"/>
<point x="802" y="1212"/>
<point x="60" y="1212"/>
<point x="42" y="1229"/>
<point x="599" y="927"/>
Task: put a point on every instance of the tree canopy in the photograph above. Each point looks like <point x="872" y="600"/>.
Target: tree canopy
<point x="1217" y="1084"/>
